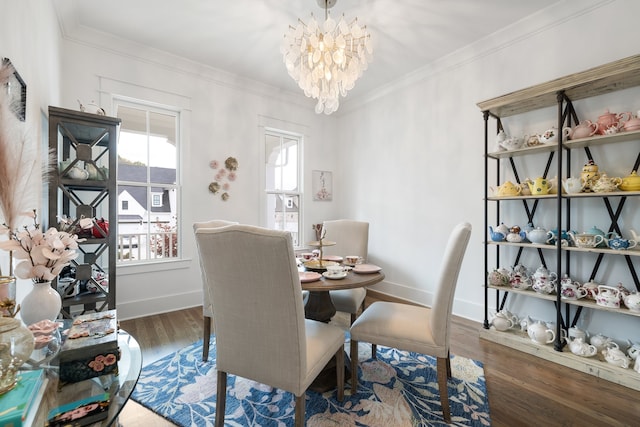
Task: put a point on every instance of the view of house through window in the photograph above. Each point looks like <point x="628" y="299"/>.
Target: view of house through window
<point x="283" y="172"/>
<point x="147" y="183"/>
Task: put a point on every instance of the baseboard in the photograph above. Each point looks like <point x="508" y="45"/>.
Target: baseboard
<point x="158" y="305"/>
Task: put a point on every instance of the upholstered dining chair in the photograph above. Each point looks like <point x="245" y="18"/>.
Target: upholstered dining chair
<point x="261" y="331"/>
<point x="415" y="328"/>
<point x="352" y="238"/>
<point x="207" y="309"/>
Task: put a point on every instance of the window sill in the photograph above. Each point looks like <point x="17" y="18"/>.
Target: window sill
<point x="148" y="267"/>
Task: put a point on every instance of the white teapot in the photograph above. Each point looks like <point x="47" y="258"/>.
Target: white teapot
<point x="504" y="320"/>
<point x="602" y="342"/>
<point x="615" y="356"/>
<point x="77" y="173"/>
<point x="633" y="350"/>
<point x="581" y="348"/>
<point x="632" y="301"/>
<point x="539" y="333"/>
<point x="573" y="185"/>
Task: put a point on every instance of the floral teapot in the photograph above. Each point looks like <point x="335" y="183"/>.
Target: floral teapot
<point x="604" y="184"/>
<point x="543" y="274"/>
<point x="608" y="296"/>
<point x="544" y="281"/>
<point x="590" y="174"/>
<point x="581" y="348"/>
<point x="550" y="136"/>
<point x="592" y="289"/>
<point x="507" y="189"/>
<point x="539" y="186"/>
<point x="516" y="235"/>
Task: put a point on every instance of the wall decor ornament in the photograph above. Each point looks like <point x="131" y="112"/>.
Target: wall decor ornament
<point x="224" y="176"/>
<point x="16" y="90"/>
<point x="322" y="183"/>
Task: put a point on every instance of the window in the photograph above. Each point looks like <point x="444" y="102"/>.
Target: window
<point x="147" y="183"/>
<point x="282" y="181"/>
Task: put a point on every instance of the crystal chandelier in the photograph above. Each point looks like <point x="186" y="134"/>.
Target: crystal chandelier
<point x="326" y="61"/>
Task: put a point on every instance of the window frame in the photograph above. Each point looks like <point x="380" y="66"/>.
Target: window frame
<point x="151" y="107"/>
<point x="286" y="194"/>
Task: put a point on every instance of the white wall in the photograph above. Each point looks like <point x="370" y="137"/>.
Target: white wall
<point x="223" y="119"/>
<point x="415" y="165"/>
<point x="35" y="53"/>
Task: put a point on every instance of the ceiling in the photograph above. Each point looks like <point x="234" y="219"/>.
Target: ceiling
<point x="244" y="36"/>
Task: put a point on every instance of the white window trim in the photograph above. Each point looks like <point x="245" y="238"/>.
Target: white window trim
<point x="152" y="264"/>
<point x="297" y="131"/>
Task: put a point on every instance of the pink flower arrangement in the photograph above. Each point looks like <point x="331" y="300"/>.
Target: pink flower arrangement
<point x="42" y="256"/>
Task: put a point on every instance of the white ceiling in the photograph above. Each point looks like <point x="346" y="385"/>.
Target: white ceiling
<point x="244" y="36"/>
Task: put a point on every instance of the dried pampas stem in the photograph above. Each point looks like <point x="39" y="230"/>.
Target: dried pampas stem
<point x="19" y="162"/>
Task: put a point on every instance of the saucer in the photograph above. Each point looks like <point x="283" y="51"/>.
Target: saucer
<point x="335" y="258"/>
<point x="308" y="276"/>
<point x="366" y="268"/>
<point x="335" y="276"/>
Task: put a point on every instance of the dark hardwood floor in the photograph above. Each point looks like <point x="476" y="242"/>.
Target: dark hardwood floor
<point x="523" y="390"/>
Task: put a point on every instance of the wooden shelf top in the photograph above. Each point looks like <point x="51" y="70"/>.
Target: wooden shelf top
<point x="611" y="77"/>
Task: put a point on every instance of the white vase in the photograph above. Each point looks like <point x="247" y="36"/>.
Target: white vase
<point x="43" y="302"/>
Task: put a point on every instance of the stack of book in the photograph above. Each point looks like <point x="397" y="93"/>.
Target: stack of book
<point x="19" y="406"/>
<point x="90" y="348"/>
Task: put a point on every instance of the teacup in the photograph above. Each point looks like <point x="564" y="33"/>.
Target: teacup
<point x="585" y="240"/>
<point x="307" y="256"/>
<point x="335" y="270"/>
<point x="352" y="259"/>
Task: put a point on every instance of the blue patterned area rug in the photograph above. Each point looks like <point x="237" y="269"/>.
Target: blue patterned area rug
<point x="393" y="391"/>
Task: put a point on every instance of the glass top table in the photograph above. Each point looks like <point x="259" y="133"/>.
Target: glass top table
<point x="118" y="386"/>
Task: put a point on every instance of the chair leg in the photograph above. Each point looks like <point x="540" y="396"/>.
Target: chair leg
<point x="300" y="404"/>
<point x="442" y="386"/>
<point x="206" y="338"/>
<point x="374" y="351"/>
<point x="354" y="316"/>
<point x="353" y="350"/>
<point x="340" y="373"/>
<point x="221" y="398"/>
<point x="448" y="365"/>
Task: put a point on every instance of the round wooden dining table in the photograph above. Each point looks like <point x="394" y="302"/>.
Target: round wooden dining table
<point x="319" y="305"/>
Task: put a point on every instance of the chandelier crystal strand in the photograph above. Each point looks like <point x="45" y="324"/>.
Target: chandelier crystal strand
<point x="326" y="61"/>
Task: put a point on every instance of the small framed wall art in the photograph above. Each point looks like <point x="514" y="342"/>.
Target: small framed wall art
<point x="16" y="90"/>
<point x="322" y="185"/>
